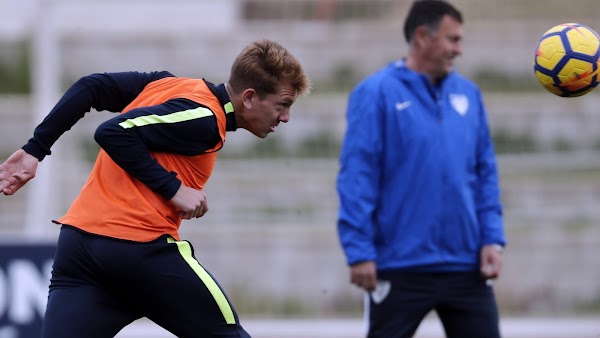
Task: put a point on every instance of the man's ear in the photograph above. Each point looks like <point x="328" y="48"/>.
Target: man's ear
<point x="247" y="96"/>
<point x="421" y="35"/>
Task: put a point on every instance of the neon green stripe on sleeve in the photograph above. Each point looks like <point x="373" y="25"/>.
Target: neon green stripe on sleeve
<point x="186" y="252"/>
<point x="181" y="116"/>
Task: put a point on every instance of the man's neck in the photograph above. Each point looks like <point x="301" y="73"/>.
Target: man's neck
<point x="413" y="63"/>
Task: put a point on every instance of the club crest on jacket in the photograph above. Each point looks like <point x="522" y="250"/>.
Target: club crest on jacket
<point x="460" y="103"/>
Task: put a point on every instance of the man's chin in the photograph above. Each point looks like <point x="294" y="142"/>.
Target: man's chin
<point x="261" y="135"/>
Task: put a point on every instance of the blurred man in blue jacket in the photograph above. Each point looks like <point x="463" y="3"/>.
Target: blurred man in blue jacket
<point x="420" y="218"/>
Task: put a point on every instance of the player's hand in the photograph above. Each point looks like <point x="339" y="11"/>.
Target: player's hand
<point x="190" y="202"/>
<point x="16" y="171"/>
<point x="491" y="261"/>
<point x="364" y="275"/>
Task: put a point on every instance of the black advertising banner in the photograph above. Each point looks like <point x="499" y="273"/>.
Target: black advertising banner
<point x="24" y="279"/>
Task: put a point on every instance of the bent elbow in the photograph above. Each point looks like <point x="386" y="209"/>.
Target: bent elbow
<point x="100" y="135"/>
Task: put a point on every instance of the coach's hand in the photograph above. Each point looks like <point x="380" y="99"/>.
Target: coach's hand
<point x="190" y="202"/>
<point x="364" y="275"/>
<point x="491" y="261"/>
<point x="16" y="171"/>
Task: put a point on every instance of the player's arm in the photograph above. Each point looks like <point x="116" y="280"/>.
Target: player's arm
<point x="177" y="126"/>
<point x="102" y="92"/>
<point x="107" y="91"/>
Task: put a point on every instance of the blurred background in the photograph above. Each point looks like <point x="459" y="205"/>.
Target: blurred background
<point x="270" y="235"/>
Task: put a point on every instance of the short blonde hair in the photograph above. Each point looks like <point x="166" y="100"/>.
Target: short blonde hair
<point x="263" y="65"/>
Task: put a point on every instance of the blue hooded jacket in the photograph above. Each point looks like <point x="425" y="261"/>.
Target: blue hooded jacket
<point x="418" y="184"/>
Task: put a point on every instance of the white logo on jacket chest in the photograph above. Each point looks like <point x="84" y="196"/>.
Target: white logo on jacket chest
<point x="402" y="105"/>
<point x="460" y="103"/>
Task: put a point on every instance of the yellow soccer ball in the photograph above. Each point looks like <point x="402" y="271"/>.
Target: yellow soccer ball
<point x="567" y="59"/>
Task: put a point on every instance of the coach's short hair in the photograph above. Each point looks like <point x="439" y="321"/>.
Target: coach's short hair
<point x="428" y="13"/>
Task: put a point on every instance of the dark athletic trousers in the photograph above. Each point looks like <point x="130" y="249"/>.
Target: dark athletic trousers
<point x="100" y="284"/>
<point x="463" y="301"/>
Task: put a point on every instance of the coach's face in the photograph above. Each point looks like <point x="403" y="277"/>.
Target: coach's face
<point x="261" y="116"/>
<point x="443" y="46"/>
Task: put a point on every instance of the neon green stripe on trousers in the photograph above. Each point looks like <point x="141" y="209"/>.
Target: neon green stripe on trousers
<point x="186" y="252"/>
